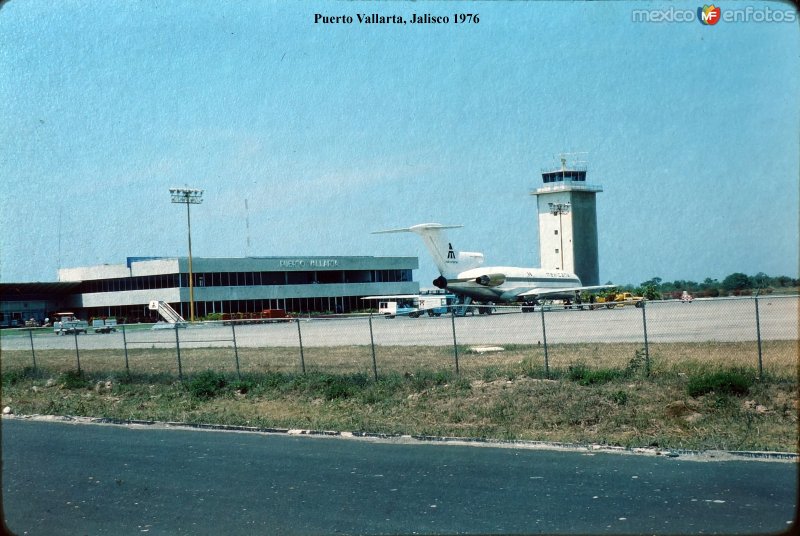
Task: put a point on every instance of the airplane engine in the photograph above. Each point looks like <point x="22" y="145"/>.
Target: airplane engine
<point x="491" y="280"/>
<point x="440" y="282"/>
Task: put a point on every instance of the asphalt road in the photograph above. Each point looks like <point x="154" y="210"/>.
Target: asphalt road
<point x="670" y="321"/>
<point x="62" y="478"/>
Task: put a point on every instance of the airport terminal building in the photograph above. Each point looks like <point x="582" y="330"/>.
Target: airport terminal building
<point x="221" y="285"/>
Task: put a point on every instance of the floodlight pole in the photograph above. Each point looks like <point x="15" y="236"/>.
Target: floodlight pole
<point x="557" y="209"/>
<point x="191" y="274"/>
<point x="189" y="196"/>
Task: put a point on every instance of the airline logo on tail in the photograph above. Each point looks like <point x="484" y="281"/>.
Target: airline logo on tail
<point x="447" y="260"/>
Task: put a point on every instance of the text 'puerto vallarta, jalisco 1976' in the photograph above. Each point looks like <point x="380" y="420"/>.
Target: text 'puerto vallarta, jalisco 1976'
<point x="413" y="18"/>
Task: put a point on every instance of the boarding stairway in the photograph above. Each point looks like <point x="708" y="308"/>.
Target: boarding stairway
<point x="167" y="313"/>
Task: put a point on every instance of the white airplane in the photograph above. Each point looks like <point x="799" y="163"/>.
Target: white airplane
<point x="463" y="274"/>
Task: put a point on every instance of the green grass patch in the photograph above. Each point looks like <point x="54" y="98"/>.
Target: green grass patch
<point x="333" y="387"/>
<point x="13" y="377"/>
<point x="583" y="375"/>
<point x="72" y="379"/>
<point x="619" y="397"/>
<point x="721" y="382"/>
<point x="207" y="384"/>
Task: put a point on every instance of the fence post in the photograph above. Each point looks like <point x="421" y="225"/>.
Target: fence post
<point x="455" y="342"/>
<point x="758" y="337"/>
<point x="178" y="349"/>
<point x="544" y="341"/>
<point x="300" y="338"/>
<point x="372" y="343"/>
<point x="125" y="346"/>
<point x="33" y="352"/>
<point x="77" y="352"/>
<point x="236" y="350"/>
<point x="646" y="346"/>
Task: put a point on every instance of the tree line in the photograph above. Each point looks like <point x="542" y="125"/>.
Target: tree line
<point x="735" y="284"/>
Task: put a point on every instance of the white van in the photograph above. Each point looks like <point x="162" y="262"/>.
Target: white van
<point x="390" y="309"/>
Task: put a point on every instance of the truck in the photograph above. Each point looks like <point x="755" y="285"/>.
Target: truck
<point x="619" y="299"/>
<point x="435" y="304"/>
<point x="69" y="323"/>
<point x="104" y="325"/>
<point x="416" y="305"/>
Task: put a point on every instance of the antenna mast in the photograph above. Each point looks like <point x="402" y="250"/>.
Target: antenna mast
<point x="575" y="159"/>
<point x="247" y="227"/>
<point x="58" y="262"/>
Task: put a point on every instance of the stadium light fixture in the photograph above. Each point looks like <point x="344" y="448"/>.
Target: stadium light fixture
<point x="189" y="196"/>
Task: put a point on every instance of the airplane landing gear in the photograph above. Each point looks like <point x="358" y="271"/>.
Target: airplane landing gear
<point x="489" y="309"/>
<point x="462" y="307"/>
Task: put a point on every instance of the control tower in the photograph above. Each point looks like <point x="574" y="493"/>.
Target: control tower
<point x="568" y="221"/>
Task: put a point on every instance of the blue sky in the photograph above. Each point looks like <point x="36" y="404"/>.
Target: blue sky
<point x="332" y="131"/>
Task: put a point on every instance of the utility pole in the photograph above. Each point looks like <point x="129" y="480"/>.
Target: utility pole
<point x="189" y="196"/>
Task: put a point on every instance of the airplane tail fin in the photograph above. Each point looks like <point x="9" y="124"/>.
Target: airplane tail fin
<point x="447" y="260"/>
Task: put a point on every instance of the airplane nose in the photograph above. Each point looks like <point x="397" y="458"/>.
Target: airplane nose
<point x="440" y="282"/>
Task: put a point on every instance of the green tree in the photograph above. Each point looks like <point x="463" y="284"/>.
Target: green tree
<point x="709" y="283"/>
<point x="649" y="291"/>
<point x="736" y="281"/>
<point x="656" y="282"/>
<point x="761" y="280"/>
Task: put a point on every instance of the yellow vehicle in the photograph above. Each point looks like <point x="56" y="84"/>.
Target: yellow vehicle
<point x="620" y="299"/>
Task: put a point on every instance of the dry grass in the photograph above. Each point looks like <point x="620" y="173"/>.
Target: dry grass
<point x="779" y="358"/>
<point x="503" y="394"/>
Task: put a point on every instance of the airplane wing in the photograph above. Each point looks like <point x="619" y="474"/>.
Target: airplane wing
<point x="392" y="296"/>
<point x="420" y="227"/>
<point x="542" y="291"/>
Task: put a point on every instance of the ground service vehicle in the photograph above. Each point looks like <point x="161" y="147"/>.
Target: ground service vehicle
<point x="621" y="299"/>
<point x="390" y="309"/>
<point x="274" y="313"/>
<point x="104" y="325"/>
<point x="435" y="304"/>
<point x="69" y="323"/>
<point x="265" y="316"/>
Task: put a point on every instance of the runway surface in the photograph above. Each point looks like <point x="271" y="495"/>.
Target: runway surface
<point x="728" y="320"/>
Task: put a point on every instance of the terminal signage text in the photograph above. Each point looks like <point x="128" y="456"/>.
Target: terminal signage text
<point x="309" y="263"/>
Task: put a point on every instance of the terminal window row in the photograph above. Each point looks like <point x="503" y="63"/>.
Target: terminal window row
<point x="141" y="313"/>
<point x="236" y="279"/>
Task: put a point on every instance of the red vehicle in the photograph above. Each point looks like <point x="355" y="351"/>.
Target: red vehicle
<point x="274" y="313"/>
<point x="267" y="315"/>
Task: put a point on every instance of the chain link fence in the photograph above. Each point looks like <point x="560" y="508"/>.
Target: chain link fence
<point x="756" y="332"/>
